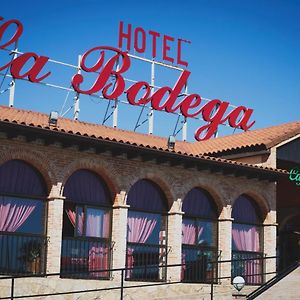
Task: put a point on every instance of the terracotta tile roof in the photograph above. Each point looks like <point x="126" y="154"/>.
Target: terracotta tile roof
<point x="37" y="119"/>
<point x="245" y="141"/>
<point x="100" y="132"/>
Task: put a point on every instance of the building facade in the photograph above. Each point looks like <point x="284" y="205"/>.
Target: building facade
<point x="82" y="202"/>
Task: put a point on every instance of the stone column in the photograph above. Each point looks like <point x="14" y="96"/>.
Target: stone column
<point x="269" y="243"/>
<point x="119" y="234"/>
<point x="54" y="230"/>
<point x="225" y="240"/>
<point x="174" y="241"/>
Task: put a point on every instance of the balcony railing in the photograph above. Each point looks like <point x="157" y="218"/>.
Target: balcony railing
<point x="197" y="266"/>
<point x="146" y="262"/>
<point x="22" y="253"/>
<point x="102" y="291"/>
<point x="248" y="265"/>
<point x="85" y="258"/>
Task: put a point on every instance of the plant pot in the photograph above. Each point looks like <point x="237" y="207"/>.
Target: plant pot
<point x="33" y="266"/>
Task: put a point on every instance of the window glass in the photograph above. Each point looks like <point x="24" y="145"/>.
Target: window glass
<point x="97" y="222"/>
<point x="19" y="178"/>
<point x="87" y="221"/>
<point x="84" y="186"/>
<point x="147" y="196"/>
<point x="199" y="232"/>
<point x="199" y="203"/>
<point x="79" y="221"/>
<point x="245" y="210"/>
<point x="207" y="233"/>
<point x="143" y="227"/>
<point x="245" y="237"/>
<point x="21" y="215"/>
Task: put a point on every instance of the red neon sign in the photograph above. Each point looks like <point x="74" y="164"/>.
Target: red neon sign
<point x="213" y="112"/>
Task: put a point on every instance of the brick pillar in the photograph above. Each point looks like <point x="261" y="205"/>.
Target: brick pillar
<point x="54" y="232"/>
<point x="225" y="240"/>
<point x="174" y="241"/>
<point x="269" y="243"/>
<point x="119" y="234"/>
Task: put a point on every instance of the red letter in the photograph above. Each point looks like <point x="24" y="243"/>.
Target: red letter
<point x="123" y="35"/>
<point x="17" y="34"/>
<point x="39" y="62"/>
<point x="136" y="44"/>
<point x="154" y="36"/>
<point x="133" y="91"/>
<point x="173" y="94"/>
<point x="191" y="101"/>
<point x="167" y="48"/>
<point x="242" y="123"/>
<point x="104" y="74"/>
<point x="179" y="61"/>
<point x="216" y="119"/>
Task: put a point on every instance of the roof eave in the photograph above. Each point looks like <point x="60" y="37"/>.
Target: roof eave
<point x="189" y="160"/>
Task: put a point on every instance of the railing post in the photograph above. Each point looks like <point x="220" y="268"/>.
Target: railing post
<point x="264" y="261"/>
<point x="212" y="282"/>
<point x="12" y="288"/>
<point x="122" y="283"/>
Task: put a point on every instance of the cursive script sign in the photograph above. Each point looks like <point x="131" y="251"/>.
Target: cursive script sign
<point x="295" y="176"/>
<point x="113" y="62"/>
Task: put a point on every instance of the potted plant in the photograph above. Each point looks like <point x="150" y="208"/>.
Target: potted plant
<point x="31" y="255"/>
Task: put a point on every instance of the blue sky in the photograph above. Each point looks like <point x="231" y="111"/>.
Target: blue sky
<point x="244" y="52"/>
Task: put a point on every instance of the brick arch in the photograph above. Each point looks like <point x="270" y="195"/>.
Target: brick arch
<point x="258" y="199"/>
<point x="214" y="192"/>
<point x="99" y="167"/>
<point x="164" y="186"/>
<point x="287" y="219"/>
<point x="37" y="160"/>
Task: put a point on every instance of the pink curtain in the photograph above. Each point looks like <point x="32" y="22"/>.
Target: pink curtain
<point x="97" y="223"/>
<point x="80" y="219"/>
<point x="139" y="228"/>
<point x="246" y="238"/>
<point x="188" y="234"/>
<point x="189" y="230"/>
<point x="71" y="215"/>
<point x="98" y="260"/>
<point x="14" y="212"/>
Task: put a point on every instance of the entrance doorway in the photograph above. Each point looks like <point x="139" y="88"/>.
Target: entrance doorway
<point x="289" y="242"/>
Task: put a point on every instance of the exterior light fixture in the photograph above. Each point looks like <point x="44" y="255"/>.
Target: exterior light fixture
<point x="53" y="117"/>
<point x="171" y="142"/>
<point x="238" y="283"/>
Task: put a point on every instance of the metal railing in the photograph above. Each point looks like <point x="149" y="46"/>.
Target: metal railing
<point x="197" y="264"/>
<point x="247" y="264"/>
<point x="122" y="285"/>
<point x="273" y="281"/>
<point x="146" y="262"/>
<point x="80" y="257"/>
<point x="22" y="253"/>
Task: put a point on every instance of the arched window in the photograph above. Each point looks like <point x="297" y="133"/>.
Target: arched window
<point x="22" y="210"/>
<point x="146" y="232"/>
<point x="199" y="236"/>
<point x="246" y="240"/>
<point x="86" y="244"/>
